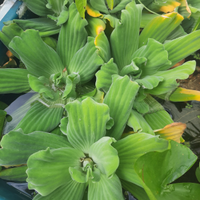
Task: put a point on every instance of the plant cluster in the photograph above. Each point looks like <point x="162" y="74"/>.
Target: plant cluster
<point x="93" y="125"/>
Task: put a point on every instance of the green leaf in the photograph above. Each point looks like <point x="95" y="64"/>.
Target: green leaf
<point x="85" y="126"/>
<point x="121" y="5"/>
<point x="8" y="33"/>
<point x="105" y="156"/>
<point x="86" y="61"/>
<point x="18" y="114"/>
<point x="63" y="17"/>
<point x="170" y="76"/>
<point x="13" y="81"/>
<point x="110" y="4"/>
<point x="17" y="146"/>
<point x="38" y="7"/>
<point x="76" y="36"/>
<point x="2" y="120"/>
<point x="47" y="165"/>
<point x="162" y="26"/>
<point x="156" y="56"/>
<point x="135" y="190"/>
<point x="124" y="38"/>
<point x="104" y="75"/>
<point x="56" y="6"/>
<point x="182" y="47"/>
<point x="17" y="174"/>
<point x="164" y="165"/>
<point x="131" y="148"/>
<point x="119" y="99"/>
<point x="41" y="117"/>
<point x="81" y="7"/>
<point x="29" y="44"/>
<point x="40" y="24"/>
<point x="197" y="172"/>
<point x="99" y="5"/>
<point x="138" y="123"/>
<point x="103" y="46"/>
<point x="106" y="188"/>
<point x="71" y="190"/>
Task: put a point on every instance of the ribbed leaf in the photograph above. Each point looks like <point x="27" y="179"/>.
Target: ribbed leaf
<point x="135" y="190"/>
<point x="49" y="169"/>
<point x="41" y="118"/>
<point x="2" y="120"/>
<point x="138" y="123"/>
<point x="95" y="26"/>
<point x="121" y="5"/>
<point x="106" y="189"/>
<point x="131" y="148"/>
<point x="183" y="94"/>
<point x="124" y="38"/>
<point x="30" y="46"/>
<point x="72" y="37"/>
<point x="40" y="24"/>
<point x="197" y="172"/>
<point x="38" y="7"/>
<point x="17" y="174"/>
<point x="182" y="47"/>
<point x="85" y="126"/>
<point x="71" y="190"/>
<point x="104" y="75"/>
<point x="8" y="33"/>
<point x="81" y="7"/>
<point x="156" y="56"/>
<point x="56" y="6"/>
<point x="99" y="5"/>
<point x="105" y="156"/>
<point x="184" y="9"/>
<point x="13" y="81"/>
<point x="170" y="76"/>
<point x="120" y="98"/>
<point x="172" y="131"/>
<point x="17" y="113"/>
<point x="164" y="165"/>
<point x="162" y="26"/>
<point x="17" y="146"/>
<point x="86" y="62"/>
<point x="102" y="44"/>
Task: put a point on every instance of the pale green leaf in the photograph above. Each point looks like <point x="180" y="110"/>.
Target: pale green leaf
<point x="30" y="46"/>
<point x="160" y="27"/>
<point x="38" y="7"/>
<point x="164" y="165"/>
<point x="17" y="146"/>
<point x="86" y="62"/>
<point x="170" y="76"/>
<point x="13" y="81"/>
<point x="85" y="126"/>
<point x="124" y="38"/>
<point x="40" y="117"/>
<point x="104" y="75"/>
<point x="47" y="165"/>
<point x="106" y="189"/>
<point x="120" y="98"/>
<point x="103" y="46"/>
<point x="131" y="148"/>
<point x="76" y="36"/>
<point x="110" y="4"/>
<point x="105" y="156"/>
<point x="71" y="190"/>
<point x="121" y="5"/>
<point x="156" y="56"/>
<point x="99" y="5"/>
<point x="81" y="7"/>
<point x="197" y="172"/>
<point x="40" y="24"/>
<point x="56" y="6"/>
<point x="138" y="123"/>
<point x="182" y="47"/>
<point x="18" y="114"/>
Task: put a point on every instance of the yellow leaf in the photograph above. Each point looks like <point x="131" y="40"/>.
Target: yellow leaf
<point x="172" y="131"/>
<point x="92" y="12"/>
<point x="169" y="7"/>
